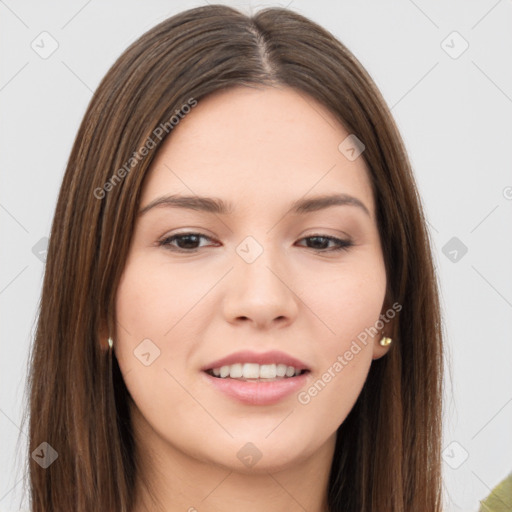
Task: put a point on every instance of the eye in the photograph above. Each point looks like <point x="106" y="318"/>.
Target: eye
<point x="188" y="242"/>
<point x="319" y="243"/>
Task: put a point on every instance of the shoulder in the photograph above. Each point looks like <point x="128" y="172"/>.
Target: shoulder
<point x="500" y="499"/>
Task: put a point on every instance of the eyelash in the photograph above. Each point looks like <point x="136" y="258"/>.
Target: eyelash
<point x="343" y="245"/>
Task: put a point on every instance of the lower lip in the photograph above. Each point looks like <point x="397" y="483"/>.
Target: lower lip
<point x="258" y="393"/>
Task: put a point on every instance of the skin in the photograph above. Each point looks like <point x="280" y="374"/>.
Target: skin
<point x="260" y="149"/>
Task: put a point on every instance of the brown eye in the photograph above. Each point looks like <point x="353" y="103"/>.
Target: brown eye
<point x="320" y="243"/>
<point x="185" y="242"/>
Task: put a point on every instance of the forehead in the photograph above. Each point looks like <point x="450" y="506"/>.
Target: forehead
<point x="253" y="146"/>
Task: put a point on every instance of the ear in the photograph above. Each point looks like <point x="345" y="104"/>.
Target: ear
<point x="389" y="322"/>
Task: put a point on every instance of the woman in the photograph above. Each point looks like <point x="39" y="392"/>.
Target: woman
<point x="239" y="307"/>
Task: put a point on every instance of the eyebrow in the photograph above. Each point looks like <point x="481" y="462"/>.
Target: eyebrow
<point x="219" y="206"/>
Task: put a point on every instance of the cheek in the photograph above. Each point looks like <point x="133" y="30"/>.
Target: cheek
<point x="159" y="322"/>
<point x="150" y="303"/>
<point x="348" y="307"/>
<point x="142" y="321"/>
<point x="155" y="301"/>
<point x="326" y="402"/>
<point x="347" y="300"/>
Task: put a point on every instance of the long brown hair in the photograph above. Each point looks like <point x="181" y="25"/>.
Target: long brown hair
<point x="387" y="455"/>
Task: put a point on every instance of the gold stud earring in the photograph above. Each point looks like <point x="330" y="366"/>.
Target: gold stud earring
<point x="385" y="341"/>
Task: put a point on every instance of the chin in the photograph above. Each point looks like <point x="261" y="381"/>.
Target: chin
<point x="257" y="452"/>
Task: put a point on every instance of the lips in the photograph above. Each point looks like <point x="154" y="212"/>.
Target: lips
<point x="265" y="358"/>
<point x="257" y="379"/>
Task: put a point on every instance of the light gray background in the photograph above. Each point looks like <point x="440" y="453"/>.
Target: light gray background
<point x="454" y="115"/>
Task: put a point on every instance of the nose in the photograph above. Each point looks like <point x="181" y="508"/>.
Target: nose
<point x="261" y="293"/>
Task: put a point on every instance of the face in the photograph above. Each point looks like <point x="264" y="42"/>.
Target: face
<point x="218" y="299"/>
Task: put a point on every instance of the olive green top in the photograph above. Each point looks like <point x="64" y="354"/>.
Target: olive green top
<point x="500" y="499"/>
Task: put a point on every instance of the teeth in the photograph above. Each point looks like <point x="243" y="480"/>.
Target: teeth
<point x="268" y="371"/>
<point x="255" y="371"/>
<point x="250" y="371"/>
<point x="235" y="371"/>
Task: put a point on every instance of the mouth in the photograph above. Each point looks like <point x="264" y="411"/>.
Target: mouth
<point x="254" y="372"/>
<point x="251" y="378"/>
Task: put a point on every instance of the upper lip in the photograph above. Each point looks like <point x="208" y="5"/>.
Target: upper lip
<point x="246" y="356"/>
